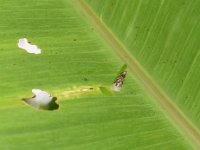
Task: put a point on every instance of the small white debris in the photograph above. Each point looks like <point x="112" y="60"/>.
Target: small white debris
<point x="41" y="100"/>
<point x="25" y="44"/>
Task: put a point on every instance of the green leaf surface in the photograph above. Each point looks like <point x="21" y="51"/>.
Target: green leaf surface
<point x="76" y="57"/>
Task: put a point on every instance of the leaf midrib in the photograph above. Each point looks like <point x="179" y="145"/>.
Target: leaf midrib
<point x="169" y="108"/>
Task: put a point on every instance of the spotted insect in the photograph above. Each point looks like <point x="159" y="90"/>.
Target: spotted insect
<point x="117" y="84"/>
